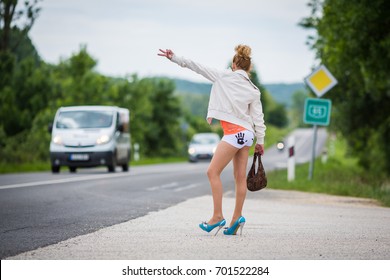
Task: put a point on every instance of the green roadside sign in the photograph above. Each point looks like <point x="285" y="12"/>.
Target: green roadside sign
<point x="317" y="111"/>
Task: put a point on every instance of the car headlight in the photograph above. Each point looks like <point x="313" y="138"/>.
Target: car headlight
<point x="103" y="139"/>
<point x="280" y="146"/>
<point x="57" y="140"/>
<point x="191" y="151"/>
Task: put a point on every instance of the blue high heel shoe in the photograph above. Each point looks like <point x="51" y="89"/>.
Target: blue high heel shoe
<point x="206" y="227"/>
<point x="233" y="229"/>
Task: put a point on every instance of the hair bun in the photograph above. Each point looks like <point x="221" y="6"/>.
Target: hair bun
<point x="243" y="51"/>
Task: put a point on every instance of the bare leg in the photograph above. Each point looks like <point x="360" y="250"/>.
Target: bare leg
<point x="240" y="162"/>
<point x="223" y="155"/>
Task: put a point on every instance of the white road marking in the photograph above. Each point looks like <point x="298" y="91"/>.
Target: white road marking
<point x="186" y="187"/>
<point x="172" y="186"/>
<point x="65" y="180"/>
<point x="166" y="186"/>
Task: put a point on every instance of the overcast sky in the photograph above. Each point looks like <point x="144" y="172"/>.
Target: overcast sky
<point x="124" y="35"/>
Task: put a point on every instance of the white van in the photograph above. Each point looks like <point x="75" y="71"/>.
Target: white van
<point x="89" y="136"/>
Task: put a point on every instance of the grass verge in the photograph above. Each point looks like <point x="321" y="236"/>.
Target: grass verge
<point x="24" y="167"/>
<point x="340" y="175"/>
<point x="148" y="161"/>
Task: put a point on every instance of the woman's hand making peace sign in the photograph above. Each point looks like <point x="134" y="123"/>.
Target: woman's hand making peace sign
<point x="167" y="53"/>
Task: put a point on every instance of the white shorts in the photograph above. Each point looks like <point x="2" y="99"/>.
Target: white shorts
<point x="240" y="139"/>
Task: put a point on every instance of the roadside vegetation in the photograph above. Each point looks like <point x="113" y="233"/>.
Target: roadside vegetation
<point x="339" y="175"/>
<point x="273" y="135"/>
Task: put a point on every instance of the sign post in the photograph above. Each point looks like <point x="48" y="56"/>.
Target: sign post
<point x="317" y="111"/>
<point x="291" y="159"/>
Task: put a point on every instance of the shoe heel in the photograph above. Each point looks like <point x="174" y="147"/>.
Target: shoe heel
<point x="219" y="228"/>
<point x="242" y="227"/>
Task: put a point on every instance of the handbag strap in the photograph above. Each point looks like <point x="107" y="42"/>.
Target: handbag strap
<point x="260" y="164"/>
<point x="252" y="170"/>
<point x="255" y="156"/>
<point x="260" y="167"/>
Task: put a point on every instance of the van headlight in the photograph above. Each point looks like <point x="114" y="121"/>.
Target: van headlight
<point x="57" y="140"/>
<point x="191" y="151"/>
<point x="103" y="139"/>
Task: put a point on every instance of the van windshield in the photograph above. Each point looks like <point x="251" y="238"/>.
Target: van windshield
<point x="84" y="119"/>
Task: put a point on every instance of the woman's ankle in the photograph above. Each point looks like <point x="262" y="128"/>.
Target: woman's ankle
<point x="234" y="219"/>
<point x="215" y="219"/>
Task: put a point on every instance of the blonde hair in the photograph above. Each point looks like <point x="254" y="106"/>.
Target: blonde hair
<point x="242" y="58"/>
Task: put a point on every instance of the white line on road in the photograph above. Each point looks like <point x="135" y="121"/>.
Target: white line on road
<point x="65" y="180"/>
<point x="186" y="187"/>
<point x="166" y="186"/>
<point x="171" y="186"/>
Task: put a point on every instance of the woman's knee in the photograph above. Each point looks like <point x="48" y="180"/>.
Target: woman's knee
<point x="211" y="172"/>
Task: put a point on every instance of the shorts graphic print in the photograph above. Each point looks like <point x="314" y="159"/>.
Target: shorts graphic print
<point x="240" y="139"/>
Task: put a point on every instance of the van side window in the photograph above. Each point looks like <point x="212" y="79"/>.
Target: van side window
<point x="117" y="120"/>
<point x="124" y="121"/>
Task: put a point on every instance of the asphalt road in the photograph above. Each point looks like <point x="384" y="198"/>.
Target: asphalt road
<point x="40" y="209"/>
<point x="276" y="159"/>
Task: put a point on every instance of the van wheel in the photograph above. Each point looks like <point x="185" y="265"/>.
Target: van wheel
<point x="125" y="167"/>
<point x="55" y="168"/>
<point x="112" y="166"/>
<point x="72" y="169"/>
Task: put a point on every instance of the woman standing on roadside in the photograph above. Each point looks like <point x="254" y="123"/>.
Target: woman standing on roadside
<point x="235" y="101"/>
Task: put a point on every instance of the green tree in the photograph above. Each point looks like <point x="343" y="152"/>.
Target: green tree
<point x="353" y="41"/>
<point x="164" y="135"/>
<point x="79" y="83"/>
<point x="27" y="94"/>
<point x="15" y="23"/>
<point x="14" y="18"/>
<point x="136" y="95"/>
<point x="278" y="116"/>
<point x="18" y="79"/>
<point x="298" y="108"/>
<point x="266" y="98"/>
<point x="195" y="103"/>
<point x="274" y="113"/>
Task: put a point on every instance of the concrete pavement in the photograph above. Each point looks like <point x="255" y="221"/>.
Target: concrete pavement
<point x="280" y="225"/>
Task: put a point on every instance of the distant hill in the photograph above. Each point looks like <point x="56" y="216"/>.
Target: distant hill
<point x="281" y="93"/>
<point x="192" y="87"/>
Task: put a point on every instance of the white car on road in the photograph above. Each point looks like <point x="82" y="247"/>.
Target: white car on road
<point x="203" y="146"/>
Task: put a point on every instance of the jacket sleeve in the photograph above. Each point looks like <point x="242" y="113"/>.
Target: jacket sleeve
<point x="256" y="112"/>
<point x="207" y="72"/>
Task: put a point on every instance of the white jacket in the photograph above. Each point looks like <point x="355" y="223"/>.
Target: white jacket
<point x="233" y="98"/>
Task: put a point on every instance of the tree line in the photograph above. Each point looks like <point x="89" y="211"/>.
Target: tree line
<point x="352" y="38"/>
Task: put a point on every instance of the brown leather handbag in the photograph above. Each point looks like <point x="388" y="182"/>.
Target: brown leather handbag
<point x="256" y="180"/>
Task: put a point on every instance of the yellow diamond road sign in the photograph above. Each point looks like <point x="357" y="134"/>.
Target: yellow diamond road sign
<point x="321" y="80"/>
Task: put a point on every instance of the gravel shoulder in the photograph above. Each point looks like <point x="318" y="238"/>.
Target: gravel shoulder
<point x="280" y="225"/>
